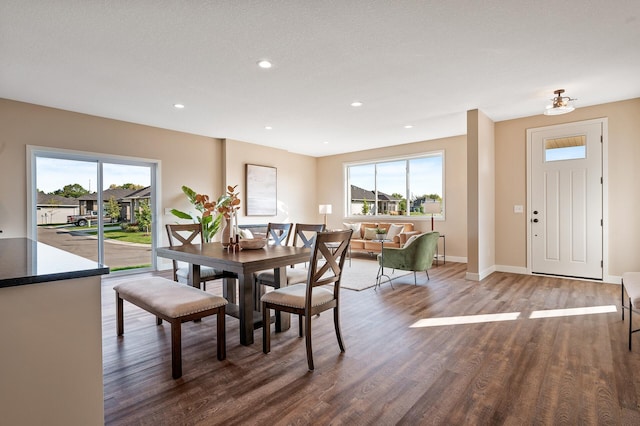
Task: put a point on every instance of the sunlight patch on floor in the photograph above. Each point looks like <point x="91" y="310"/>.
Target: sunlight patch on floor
<point x="550" y="313"/>
<point x="512" y="316"/>
<point x="466" y="319"/>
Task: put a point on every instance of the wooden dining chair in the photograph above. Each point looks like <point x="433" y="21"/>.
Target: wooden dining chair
<point x="312" y="297"/>
<point x="278" y="234"/>
<point x="191" y="233"/>
<point x="304" y="237"/>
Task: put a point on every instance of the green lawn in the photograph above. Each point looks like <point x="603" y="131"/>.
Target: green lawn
<point x="129" y="237"/>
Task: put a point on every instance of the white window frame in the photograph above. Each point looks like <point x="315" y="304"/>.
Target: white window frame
<point x="347" y="186"/>
<point x="38" y="151"/>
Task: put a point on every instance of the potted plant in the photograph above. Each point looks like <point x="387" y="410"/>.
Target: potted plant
<point x="210" y="224"/>
<point x="381" y="233"/>
<point x="227" y="207"/>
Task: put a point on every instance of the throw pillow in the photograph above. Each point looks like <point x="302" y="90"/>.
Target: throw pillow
<point x="370" y="233"/>
<point x="355" y="227"/>
<point x="393" y="231"/>
<point x="410" y="240"/>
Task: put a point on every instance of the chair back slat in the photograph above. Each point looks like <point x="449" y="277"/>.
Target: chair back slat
<point x="279" y="233"/>
<point x="180" y="234"/>
<point x="326" y="262"/>
<point x="306" y="234"/>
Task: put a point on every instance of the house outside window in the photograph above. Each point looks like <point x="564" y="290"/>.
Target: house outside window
<point x="395" y="186"/>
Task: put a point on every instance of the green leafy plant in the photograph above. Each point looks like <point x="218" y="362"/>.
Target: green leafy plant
<point x="228" y="203"/>
<point x="210" y="224"/>
<point x="381" y="231"/>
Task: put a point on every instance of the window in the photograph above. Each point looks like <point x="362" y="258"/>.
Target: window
<point x="570" y="148"/>
<point x="112" y="226"/>
<point x="408" y="186"/>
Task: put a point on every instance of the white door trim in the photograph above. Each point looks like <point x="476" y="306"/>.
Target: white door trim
<point x="605" y="191"/>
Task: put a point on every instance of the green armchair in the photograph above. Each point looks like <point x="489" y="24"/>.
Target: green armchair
<point x="416" y="255"/>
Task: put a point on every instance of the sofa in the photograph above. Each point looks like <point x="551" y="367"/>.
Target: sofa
<point x="364" y="236"/>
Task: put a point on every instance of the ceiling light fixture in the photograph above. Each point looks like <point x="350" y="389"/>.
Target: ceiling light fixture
<point x="264" y="64"/>
<point x="356" y="104"/>
<point x="178" y="106"/>
<point x="408" y="126"/>
<point x="560" y="104"/>
<point x="268" y="127"/>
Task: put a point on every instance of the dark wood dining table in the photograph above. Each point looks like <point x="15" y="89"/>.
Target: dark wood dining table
<point x="242" y="263"/>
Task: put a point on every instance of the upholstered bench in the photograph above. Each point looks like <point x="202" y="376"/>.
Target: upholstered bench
<point x="175" y="303"/>
<point x="631" y="283"/>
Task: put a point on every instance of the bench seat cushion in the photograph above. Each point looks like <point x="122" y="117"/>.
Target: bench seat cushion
<point x="631" y="281"/>
<point x="168" y="297"/>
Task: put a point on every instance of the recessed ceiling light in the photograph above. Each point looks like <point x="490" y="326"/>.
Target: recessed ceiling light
<point x="178" y="106"/>
<point x="268" y="127"/>
<point x="408" y="126"/>
<point x="326" y="142"/>
<point x="356" y="104"/>
<point x="264" y="64"/>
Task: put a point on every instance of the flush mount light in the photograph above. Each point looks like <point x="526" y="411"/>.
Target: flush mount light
<point x="264" y="64"/>
<point x="356" y="104"/>
<point x="268" y="127"/>
<point x="326" y="142"/>
<point x="560" y="104"/>
<point x="408" y="126"/>
<point x="178" y="106"/>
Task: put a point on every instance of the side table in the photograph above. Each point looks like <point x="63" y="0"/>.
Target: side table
<point x="381" y="269"/>
<point x="444" y="251"/>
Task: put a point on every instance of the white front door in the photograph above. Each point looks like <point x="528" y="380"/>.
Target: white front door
<point x="566" y="199"/>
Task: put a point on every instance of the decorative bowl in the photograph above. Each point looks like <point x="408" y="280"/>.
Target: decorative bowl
<point x="252" y="243"/>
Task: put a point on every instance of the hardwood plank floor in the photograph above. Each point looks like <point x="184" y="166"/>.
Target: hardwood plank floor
<point x="551" y="370"/>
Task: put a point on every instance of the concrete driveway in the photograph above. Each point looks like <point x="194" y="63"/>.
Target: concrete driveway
<point x="117" y="253"/>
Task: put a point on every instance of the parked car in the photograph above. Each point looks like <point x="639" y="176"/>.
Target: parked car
<point x="83" y="219"/>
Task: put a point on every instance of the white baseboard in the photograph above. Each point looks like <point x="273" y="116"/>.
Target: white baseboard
<point x="456" y="259"/>
<point x="613" y="279"/>
<point x="472" y="276"/>
<point x="512" y="269"/>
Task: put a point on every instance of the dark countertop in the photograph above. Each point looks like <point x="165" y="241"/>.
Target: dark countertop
<point x="24" y="261"/>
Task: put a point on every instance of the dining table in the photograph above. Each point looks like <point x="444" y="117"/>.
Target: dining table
<point x="240" y="265"/>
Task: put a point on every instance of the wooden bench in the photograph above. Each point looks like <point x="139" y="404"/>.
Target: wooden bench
<point x="631" y="283"/>
<point x="175" y="303"/>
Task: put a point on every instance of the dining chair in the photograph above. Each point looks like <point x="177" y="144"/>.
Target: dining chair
<point x="312" y="297"/>
<point x="278" y="233"/>
<point x="304" y="237"/>
<point x="191" y="233"/>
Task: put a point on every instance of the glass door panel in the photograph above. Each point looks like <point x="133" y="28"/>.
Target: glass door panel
<point x="127" y="211"/>
<point x="64" y="205"/>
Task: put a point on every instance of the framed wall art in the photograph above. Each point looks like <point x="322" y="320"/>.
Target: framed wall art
<point x="262" y="190"/>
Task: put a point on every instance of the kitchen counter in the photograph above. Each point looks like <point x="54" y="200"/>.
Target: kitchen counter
<point x="51" y="334"/>
<point x="24" y="261"/>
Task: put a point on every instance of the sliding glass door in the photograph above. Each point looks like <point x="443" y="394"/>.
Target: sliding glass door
<point x="98" y="207"/>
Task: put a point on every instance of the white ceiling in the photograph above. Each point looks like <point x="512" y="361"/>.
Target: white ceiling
<point x="419" y="63"/>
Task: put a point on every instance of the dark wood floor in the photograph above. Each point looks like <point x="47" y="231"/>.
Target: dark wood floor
<point x="557" y="370"/>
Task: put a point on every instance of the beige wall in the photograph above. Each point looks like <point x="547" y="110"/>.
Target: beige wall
<point x="185" y="159"/>
<point x="296" y="181"/>
<point x="480" y="195"/>
<point x="622" y="226"/>
<point x="330" y="187"/>
<point x="200" y="163"/>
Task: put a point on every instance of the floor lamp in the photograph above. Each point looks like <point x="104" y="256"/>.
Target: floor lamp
<point x="324" y="209"/>
<point x="433" y="208"/>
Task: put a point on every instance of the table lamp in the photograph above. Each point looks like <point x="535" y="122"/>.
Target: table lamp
<point x="324" y="209"/>
<point x="433" y="208"/>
